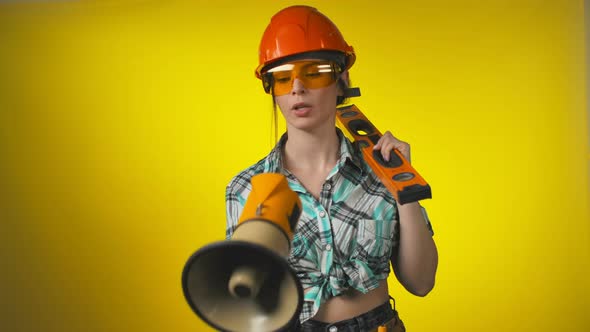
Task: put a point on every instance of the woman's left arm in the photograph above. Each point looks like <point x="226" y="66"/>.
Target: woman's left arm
<point x="416" y="258"/>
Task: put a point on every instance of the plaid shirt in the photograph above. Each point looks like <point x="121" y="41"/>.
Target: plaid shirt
<point x="343" y="240"/>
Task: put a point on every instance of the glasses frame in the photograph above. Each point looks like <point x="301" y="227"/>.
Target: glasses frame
<point x="268" y="79"/>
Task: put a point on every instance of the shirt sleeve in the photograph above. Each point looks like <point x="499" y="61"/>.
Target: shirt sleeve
<point x="236" y="193"/>
<point x="428" y="224"/>
<point x="233" y="210"/>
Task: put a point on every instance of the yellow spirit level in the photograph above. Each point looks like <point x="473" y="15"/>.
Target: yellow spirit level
<point x="398" y="176"/>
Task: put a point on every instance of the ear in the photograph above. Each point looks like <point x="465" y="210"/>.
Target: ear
<point x="344" y="76"/>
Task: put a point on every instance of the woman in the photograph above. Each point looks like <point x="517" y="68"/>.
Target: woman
<point x="351" y="226"/>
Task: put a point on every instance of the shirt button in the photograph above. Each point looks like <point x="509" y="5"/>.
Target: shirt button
<point x="322" y="214"/>
<point x="333" y="329"/>
<point x="328" y="186"/>
<point x="328" y="247"/>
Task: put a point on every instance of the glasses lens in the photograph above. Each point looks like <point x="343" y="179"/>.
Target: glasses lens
<point x="313" y="75"/>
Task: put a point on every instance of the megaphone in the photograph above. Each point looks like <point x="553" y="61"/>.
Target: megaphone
<point x="245" y="283"/>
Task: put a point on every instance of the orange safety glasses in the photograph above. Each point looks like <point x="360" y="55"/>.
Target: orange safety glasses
<point x="313" y="74"/>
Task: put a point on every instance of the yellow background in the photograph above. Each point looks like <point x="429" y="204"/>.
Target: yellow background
<point x="121" y="122"/>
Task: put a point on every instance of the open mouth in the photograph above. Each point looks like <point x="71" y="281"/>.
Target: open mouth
<point x="300" y="106"/>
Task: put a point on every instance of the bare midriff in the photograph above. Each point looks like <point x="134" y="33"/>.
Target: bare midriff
<point x="352" y="303"/>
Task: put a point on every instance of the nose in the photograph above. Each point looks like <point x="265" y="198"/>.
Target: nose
<point x="298" y="87"/>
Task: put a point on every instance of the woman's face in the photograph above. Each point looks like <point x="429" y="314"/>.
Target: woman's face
<point x="308" y="108"/>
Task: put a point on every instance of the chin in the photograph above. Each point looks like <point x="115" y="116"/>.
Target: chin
<point x="307" y="126"/>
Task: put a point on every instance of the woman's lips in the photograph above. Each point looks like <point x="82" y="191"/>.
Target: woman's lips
<point x="301" y="109"/>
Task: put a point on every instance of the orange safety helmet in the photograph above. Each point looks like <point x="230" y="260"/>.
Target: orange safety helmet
<point x="301" y="29"/>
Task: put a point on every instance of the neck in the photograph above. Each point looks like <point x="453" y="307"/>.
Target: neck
<point x="311" y="150"/>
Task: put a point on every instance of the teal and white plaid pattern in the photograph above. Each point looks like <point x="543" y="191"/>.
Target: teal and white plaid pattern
<point x="342" y="241"/>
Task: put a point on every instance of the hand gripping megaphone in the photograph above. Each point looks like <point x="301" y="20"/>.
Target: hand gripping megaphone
<point x="245" y="283"/>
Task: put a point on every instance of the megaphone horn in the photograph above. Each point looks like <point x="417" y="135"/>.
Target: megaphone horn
<point x="245" y="283"/>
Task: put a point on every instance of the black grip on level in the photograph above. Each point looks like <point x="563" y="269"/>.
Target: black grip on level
<point x="394" y="159"/>
<point x="374" y="138"/>
<point x="414" y="193"/>
<point x="361" y="127"/>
